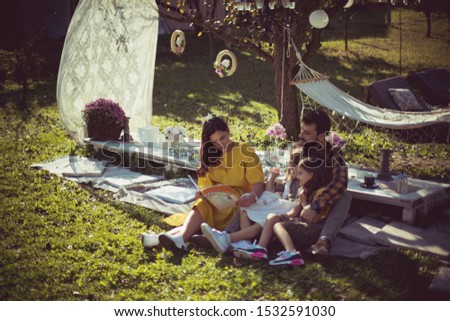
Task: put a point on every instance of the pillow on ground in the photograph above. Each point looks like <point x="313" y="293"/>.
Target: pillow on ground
<point x="405" y="99"/>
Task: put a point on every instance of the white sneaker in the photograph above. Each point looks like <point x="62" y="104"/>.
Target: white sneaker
<point x="149" y="240"/>
<point x="220" y="240"/>
<point x="255" y="252"/>
<point x="288" y="258"/>
<point x="173" y="243"/>
<point x="242" y="244"/>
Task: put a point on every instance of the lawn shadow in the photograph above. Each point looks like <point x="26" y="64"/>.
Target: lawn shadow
<point x="352" y="69"/>
<point x="345" y="278"/>
<point x="386" y="283"/>
<point x="253" y="80"/>
<point x="363" y="23"/>
<point x="307" y="282"/>
<point x="205" y="89"/>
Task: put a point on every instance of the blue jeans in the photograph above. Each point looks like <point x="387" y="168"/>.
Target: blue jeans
<point x="336" y="218"/>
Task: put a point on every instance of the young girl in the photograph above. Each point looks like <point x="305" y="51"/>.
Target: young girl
<point x="313" y="178"/>
<point x="251" y="219"/>
<point x="289" y="189"/>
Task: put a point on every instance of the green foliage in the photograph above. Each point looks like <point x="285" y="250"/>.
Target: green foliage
<point x="21" y="65"/>
<point x="65" y="241"/>
<point x="365" y="147"/>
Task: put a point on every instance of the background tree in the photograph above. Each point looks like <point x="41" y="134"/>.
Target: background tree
<point x="430" y="6"/>
<point x="266" y="33"/>
<point x="23" y="63"/>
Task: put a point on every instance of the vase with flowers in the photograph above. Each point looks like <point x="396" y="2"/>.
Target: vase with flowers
<point x="276" y="135"/>
<point x="174" y="134"/>
<point x="105" y="119"/>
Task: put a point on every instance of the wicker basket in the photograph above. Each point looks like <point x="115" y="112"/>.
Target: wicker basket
<point x="102" y="132"/>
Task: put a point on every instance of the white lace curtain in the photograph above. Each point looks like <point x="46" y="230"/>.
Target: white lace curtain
<point x="109" y="52"/>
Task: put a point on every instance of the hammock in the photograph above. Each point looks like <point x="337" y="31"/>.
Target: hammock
<point x="319" y="88"/>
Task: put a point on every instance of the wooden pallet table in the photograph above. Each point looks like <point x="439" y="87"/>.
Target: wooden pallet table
<point x="420" y="200"/>
<point x="183" y="154"/>
<point x="422" y="197"/>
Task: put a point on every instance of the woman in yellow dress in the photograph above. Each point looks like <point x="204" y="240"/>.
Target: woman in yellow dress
<point x="223" y="161"/>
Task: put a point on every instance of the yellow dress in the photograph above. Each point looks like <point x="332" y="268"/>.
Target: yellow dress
<point x="240" y="167"/>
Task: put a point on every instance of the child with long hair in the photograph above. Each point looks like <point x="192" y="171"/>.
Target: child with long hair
<point x="289" y="189"/>
<point x="313" y="179"/>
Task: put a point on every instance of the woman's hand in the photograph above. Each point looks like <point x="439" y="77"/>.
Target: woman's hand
<point x="246" y="200"/>
<point x="198" y="194"/>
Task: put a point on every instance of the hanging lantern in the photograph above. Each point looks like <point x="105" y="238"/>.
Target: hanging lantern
<point x="259" y="4"/>
<point x="240" y="6"/>
<point x="318" y="19"/>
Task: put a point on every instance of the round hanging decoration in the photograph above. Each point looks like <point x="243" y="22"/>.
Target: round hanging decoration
<point x="348" y="4"/>
<point x="225" y="64"/>
<point x="178" y="42"/>
<point x="318" y="19"/>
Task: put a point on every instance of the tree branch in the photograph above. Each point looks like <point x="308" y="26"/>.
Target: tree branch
<point x="240" y="42"/>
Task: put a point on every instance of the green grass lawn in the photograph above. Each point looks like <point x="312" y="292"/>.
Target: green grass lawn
<point x="65" y="241"/>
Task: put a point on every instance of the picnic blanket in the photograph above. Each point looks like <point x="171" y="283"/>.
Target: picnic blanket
<point x="359" y="237"/>
<point x="128" y="186"/>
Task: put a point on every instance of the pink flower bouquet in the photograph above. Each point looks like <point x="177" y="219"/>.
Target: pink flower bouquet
<point x="276" y="131"/>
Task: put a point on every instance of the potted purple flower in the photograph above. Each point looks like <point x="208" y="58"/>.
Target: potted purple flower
<point x="105" y="119"/>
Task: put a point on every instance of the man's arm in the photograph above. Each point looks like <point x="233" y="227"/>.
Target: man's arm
<point x="338" y="185"/>
<point x="333" y="191"/>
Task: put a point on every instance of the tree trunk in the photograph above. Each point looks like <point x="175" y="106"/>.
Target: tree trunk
<point x="285" y="93"/>
<point x="428" y="14"/>
<point x="347" y="18"/>
<point x="388" y="19"/>
<point x="285" y="67"/>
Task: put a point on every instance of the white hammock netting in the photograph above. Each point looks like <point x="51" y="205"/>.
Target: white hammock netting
<point x="109" y="52"/>
<point x="321" y="90"/>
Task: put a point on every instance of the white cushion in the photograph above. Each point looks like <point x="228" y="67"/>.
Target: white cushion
<point x="405" y="99"/>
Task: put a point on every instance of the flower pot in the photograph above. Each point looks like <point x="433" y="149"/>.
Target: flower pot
<point x="102" y="132"/>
